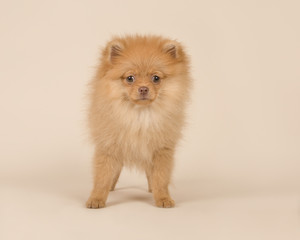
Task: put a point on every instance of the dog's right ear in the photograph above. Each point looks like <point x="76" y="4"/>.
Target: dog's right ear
<point x="115" y="50"/>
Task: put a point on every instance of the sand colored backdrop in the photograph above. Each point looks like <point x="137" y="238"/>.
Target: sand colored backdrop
<point x="238" y="167"/>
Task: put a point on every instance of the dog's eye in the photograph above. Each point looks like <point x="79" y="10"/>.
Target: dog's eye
<point x="156" y="79"/>
<point x="130" y="79"/>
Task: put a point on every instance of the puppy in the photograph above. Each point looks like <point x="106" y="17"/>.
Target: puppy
<point x="136" y="113"/>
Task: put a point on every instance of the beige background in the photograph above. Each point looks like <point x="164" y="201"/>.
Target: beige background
<point x="238" y="172"/>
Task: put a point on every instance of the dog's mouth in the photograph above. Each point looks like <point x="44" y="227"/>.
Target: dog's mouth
<point x="139" y="99"/>
<point x="143" y="100"/>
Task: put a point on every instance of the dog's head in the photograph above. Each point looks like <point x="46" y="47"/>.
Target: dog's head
<point x="142" y="69"/>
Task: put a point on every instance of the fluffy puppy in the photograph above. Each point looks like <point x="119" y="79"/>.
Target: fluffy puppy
<point x="136" y="113"/>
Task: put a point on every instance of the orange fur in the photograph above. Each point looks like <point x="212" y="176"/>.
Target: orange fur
<point x="130" y="129"/>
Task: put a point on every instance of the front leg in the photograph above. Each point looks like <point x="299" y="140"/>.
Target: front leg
<point x="104" y="172"/>
<point x="160" y="177"/>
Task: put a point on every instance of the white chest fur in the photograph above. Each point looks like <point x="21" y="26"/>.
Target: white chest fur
<point x="140" y="134"/>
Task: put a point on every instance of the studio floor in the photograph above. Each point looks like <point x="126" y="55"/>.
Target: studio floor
<point x="45" y="207"/>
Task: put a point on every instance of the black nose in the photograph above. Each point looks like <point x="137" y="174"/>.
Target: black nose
<point x="143" y="91"/>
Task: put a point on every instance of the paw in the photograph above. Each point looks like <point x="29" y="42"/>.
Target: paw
<point x="165" y="203"/>
<point x="95" y="203"/>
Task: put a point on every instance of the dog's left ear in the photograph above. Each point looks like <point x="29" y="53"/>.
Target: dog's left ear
<point x="172" y="48"/>
<point x="115" y="49"/>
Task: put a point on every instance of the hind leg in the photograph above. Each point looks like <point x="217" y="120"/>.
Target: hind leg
<point x="149" y="178"/>
<point x="116" y="178"/>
